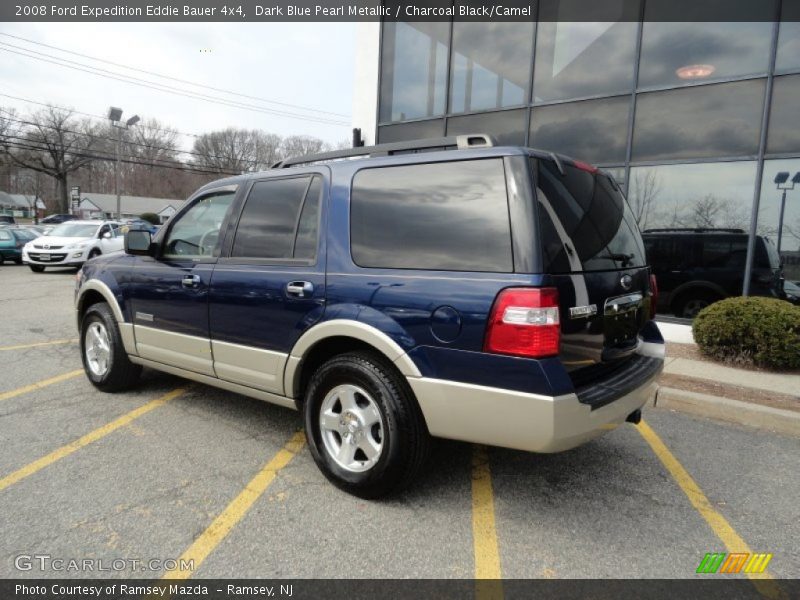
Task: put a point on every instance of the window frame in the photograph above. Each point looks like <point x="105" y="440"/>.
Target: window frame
<point x="225" y="257"/>
<point x="164" y="232"/>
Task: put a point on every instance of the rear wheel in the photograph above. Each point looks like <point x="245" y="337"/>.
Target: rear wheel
<point x="104" y="358"/>
<point x="36" y="268"/>
<point x="363" y="426"/>
<point x="690" y="304"/>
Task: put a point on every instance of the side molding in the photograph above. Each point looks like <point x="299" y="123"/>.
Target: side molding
<point x="345" y="328"/>
<point x="125" y="329"/>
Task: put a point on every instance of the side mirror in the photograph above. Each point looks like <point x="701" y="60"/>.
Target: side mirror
<point x="107" y="235"/>
<point x="138" y="242"/>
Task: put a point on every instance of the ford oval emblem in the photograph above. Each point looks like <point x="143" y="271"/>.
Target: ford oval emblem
<point x="626" y="281"/>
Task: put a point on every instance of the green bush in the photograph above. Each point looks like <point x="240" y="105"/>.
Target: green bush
<point x="759" y="331"/>
<point x="150" y="218"/>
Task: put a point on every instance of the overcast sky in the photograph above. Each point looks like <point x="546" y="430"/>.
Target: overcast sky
<point x="305" y="64"/>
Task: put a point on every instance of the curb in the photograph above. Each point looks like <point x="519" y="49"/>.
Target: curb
<point x="730" y="411"/>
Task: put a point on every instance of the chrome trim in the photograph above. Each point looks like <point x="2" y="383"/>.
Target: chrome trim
<point x="214" y="382"/>
<point x="622" y="304"/>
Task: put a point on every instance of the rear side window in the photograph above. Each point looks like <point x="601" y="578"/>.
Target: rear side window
<point x="585" y="222"/>
<point x="439" y="216"/>
<point x="279" y="218"/>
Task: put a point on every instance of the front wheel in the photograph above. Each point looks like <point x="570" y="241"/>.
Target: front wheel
<point x="95" y="252"/>
<point x="104" y="358"/>
<point x="363" y="426"/>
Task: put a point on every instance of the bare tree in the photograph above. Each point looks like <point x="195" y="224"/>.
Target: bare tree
<point x="645" y="188"/>
<point x="705" y="211"/>
<point x="227" y="151"/>
<point x="299" y="145"/>
<point x="55" y="144"/>
<point x="31" y="185"/>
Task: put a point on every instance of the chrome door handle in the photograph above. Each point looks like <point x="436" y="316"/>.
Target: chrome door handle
<point x="190" y="281"/>
<point x="300" y="289"/>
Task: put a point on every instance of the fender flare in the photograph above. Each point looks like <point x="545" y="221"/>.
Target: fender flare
<point x="345" y="328"/>
<point x="125" y="329"/>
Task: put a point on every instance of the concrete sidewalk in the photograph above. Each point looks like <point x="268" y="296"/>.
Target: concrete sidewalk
<point x="759" y="380"/>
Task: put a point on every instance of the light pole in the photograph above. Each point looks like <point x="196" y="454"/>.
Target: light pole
<point x="782" y="182"/>
<point x="115" y="116"/>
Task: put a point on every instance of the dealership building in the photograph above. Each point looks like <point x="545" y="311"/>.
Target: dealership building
<point x="695" y="119"/>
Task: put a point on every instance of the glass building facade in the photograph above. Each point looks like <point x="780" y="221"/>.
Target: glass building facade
<point x="690" y="117"/>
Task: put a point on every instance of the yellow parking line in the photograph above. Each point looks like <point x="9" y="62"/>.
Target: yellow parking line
<point x="40" y="384"/>
<point x="37" y="344"/>
<point x="488" y="583"/>
<point x="723" y="530"/>
<point x="236" y="510"/>
<point x="87" y="439"/>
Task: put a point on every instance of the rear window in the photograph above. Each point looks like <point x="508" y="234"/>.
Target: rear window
<point x="439" y="216"/>
<point x="772" y="259"/>
<point x="585" y="222"/>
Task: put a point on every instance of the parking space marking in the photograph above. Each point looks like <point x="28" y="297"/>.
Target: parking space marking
<point x="484" y="532"/>
<point x="719" y="524"/>
<point x="40" y="384"/>
<point x="37" y="344"/>
<point x="87" y="439"/>
<point x="236" y="510"/>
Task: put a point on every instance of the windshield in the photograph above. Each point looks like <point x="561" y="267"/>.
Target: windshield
<point x="73" y="230"/>
<point x="586" y="224"/>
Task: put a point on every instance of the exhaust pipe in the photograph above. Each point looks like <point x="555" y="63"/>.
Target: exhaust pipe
<point x="635" y="417"/>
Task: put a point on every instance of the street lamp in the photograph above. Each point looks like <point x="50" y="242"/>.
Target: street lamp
<point x="115" y="116"/>
<point x="782" y="182"/>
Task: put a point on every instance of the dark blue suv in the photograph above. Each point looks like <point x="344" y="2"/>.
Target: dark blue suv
<point x="443" y="288"/>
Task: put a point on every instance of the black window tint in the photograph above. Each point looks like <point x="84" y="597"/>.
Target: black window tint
<point x="594" y="232"/>
<point x="443" y="216"/>
<point x="306" y="244"/>
<point x="267" y="225"/>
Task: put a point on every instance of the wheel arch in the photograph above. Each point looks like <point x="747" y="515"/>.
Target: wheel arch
<point x="94" y="291"/>
<point x="336" y="337"/>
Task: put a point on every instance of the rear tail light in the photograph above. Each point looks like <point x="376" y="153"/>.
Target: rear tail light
<point x="653" y="296"/>
<point x="524" y="322"/>
<point x="583" y="166"/>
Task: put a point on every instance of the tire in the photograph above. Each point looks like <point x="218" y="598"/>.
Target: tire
<point x="2" y="258"/>
<point x="691" y="303"/>
<point x="368" y="406"/>
<point x="37" y="268"/>
<point x="104" y="358"/>
<point x="94" y="252"/>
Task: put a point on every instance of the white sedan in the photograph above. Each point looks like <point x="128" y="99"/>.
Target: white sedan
<point x="72" y="243"/>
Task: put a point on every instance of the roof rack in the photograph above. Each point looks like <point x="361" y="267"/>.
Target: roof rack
<point x="695" y="230"/>
<point x="458" y="142"/>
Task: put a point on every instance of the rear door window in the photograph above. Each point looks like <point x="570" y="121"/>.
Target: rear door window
<point x="450" y="216"/>
<point x="585" y="222"/>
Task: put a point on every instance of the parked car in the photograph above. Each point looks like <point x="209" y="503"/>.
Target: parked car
<point x="140" y="224"/>
<point x="12" y="239"/>
<point x="56" y="219"/>
<point x="71" y="244"/>
<point x="696" y="267"/>
<point x="492" y="295"/>
<point x="37" y="230"/>
<point x="7" y="219"/>
<point x="792" y="292"/>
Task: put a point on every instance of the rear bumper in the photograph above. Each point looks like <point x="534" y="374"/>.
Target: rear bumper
<point x="524" y="421"/>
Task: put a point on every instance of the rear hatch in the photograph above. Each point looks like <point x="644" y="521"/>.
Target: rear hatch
<point x="593" y="251"/>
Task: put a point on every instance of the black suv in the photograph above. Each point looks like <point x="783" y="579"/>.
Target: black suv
<point x="696" y="267"/>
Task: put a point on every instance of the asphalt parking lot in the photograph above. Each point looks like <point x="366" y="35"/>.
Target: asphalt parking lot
<point x="177" y="469"/>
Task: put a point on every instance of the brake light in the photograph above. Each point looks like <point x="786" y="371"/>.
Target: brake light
<point x="653" y="296"/>
<point x="583" y="166"/>
<point x="524" y="322"/>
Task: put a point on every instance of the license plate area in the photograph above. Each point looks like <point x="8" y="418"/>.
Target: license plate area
<point x="622" y="320"/>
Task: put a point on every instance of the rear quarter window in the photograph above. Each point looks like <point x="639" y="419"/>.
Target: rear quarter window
<point x="440" y="216"/>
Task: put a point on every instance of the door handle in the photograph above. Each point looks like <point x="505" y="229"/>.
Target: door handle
<point x="190" y="281"/>
<point x="300" y="289"/>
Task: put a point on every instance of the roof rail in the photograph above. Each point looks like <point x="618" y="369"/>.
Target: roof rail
<point x="695" y="230"/>
<point x="458" y="142"/>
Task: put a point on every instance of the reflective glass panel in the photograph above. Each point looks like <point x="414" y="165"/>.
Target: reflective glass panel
<point x="702" y="121"/>
<point x="416" y="130"/>
<point x="693" y="195"/>
<point x="491" y="65"/>
<point x="789" y="38"/>
<point x="579" y="59"/>
<point x="508" y="126"/>
<point x="592" y="130"/>
<point x="769" y="215"/>
<point x="784" y="121"/>
<point x="414" y="70"/>
<point x="681" y="53"/>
